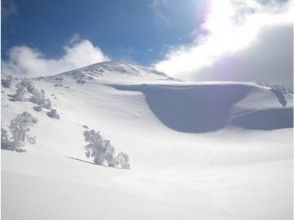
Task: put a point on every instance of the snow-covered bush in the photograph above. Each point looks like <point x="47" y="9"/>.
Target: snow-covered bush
<point x="26" y="83"/>
<point x="81" y="81"/>
<point x="20" y="92"/>
<point x="121" y="161"/>
<point x="59" y="78"/>
<point x="102" y="151"/>
<point x="19" y="128"/>
<point x="6" y="83"/>
<point x="39" y="98"/>
<point x="109" y="151"/>
<point x="97" y="147"/>
<point x="22" y="88"/>
<point x="31" y="140"/>
<point x="37" y="108"/>
<point x="5" y="144"/>
<point x="53" y="114"/>
<point x="4" y="136"/>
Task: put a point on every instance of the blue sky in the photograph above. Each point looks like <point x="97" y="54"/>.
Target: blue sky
<point x="138" y="31"/>
<point x="243" y="40"/>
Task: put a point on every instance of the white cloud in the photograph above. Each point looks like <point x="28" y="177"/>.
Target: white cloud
<point x="32" y="62"/>
<point x="231" y="28"/>
<point x="268" y="59"/>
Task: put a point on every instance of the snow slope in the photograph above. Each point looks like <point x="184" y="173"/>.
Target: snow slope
<point x="211" y="150"/>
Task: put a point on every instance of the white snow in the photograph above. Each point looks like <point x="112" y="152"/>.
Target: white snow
<point x="211" y="150"/>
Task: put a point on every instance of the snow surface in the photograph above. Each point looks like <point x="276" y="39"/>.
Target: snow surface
<point x="210" y="150"/>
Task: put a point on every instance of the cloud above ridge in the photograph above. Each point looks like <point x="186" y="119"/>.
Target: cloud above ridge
<point x="24" y="60"/>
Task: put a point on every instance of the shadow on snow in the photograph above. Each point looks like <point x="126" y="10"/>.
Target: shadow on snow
<point x="205" y="108"/>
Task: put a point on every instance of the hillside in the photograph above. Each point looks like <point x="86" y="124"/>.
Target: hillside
<point x="210" y="150"/>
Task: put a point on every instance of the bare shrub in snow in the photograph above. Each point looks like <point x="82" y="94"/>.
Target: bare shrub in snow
<point x="53" y="114"/>
<point x="19" y="128"/>
<point x="121" y="161"/>
<point x="102" y="151"/>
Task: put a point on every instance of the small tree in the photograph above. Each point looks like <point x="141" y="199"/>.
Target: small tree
<point x="97" y="147"/>
<point x="19" y="128"/>
<point x="102" y="151"/>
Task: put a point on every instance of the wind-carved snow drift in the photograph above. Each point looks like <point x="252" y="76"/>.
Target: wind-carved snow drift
<point x="208" y="107"/>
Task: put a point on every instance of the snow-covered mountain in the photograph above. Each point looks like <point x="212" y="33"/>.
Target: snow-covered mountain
<point x="210" y="150"/>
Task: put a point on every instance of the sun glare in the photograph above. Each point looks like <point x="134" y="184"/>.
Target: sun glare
<point x="229" y="26"/>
